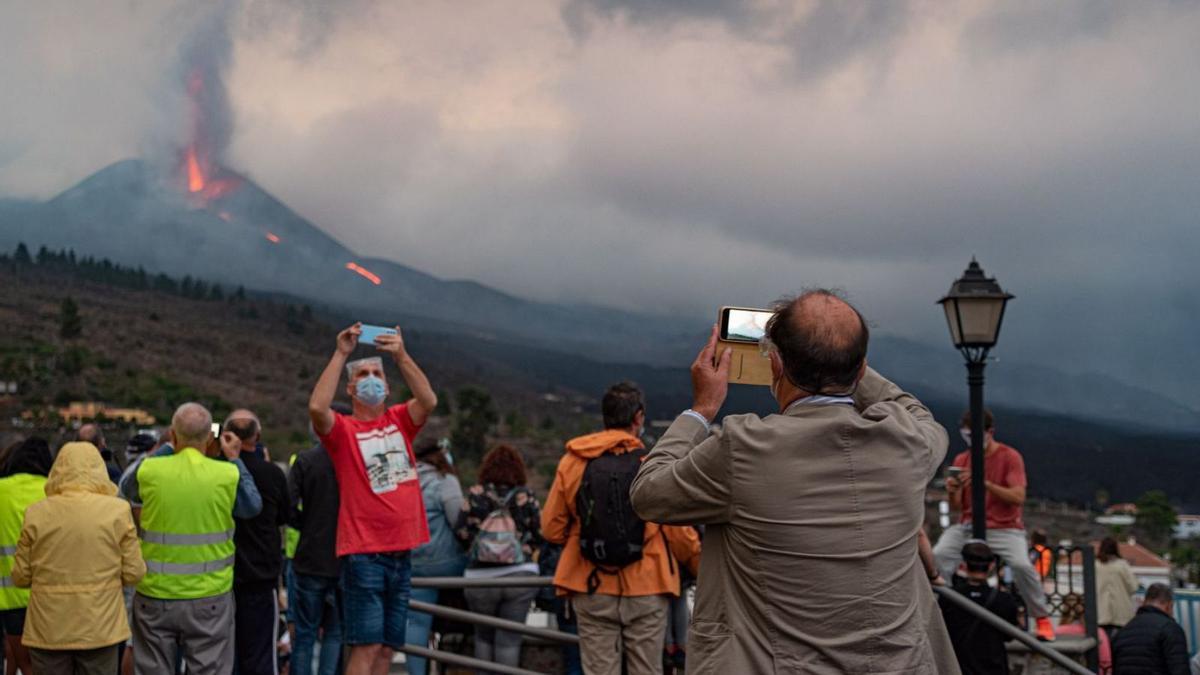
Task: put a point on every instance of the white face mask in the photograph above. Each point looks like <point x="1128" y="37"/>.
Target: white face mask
<point x="966" y="436"/>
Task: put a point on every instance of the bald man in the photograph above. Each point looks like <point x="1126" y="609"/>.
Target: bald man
<point x="813" y="515"/>
<point x="184" y="604"/>
<point x="259" y="561"/>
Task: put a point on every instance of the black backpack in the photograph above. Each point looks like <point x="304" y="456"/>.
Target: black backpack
<point x="611" y="535"/>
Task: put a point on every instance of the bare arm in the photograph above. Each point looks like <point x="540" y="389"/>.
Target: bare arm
<point x="424" y="399"/>
<point x="1012" y="495"/>
<point x="322" y="395"/>
<point x="954" y="488"/>
<point x="925" y="553"/>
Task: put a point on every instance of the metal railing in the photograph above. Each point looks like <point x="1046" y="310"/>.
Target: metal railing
<point x="1011" y="631"/>
<point x="482" y="620"/>
<point x="1073" y="573"/>
<point x="1086" y="569"/>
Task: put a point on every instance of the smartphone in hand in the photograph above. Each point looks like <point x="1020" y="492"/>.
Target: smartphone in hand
<point x="369" y="333"/>
<point x="740" y="330"/>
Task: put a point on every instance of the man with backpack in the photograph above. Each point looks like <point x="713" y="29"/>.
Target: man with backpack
<point x="978" y="646"/>
<point x="618" y="571"/>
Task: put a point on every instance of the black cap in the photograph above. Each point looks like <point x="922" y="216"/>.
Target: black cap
<point x="139" y="444"/>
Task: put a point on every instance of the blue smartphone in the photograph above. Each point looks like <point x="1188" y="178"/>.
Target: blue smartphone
<point x="369" y="333"/>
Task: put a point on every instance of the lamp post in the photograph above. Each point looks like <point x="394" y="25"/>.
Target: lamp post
<point x="974" y="309"/>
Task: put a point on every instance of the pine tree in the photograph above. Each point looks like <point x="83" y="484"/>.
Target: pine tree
<point x="21" y="255"/>
<point x="70" y="323"/>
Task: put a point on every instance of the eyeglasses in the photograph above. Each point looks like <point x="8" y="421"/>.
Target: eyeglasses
<point x="765" y="346"/>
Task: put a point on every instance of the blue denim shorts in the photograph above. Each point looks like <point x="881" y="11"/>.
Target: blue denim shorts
<point x="375" y="589"/>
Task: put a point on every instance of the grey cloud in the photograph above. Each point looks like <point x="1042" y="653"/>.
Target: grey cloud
<point x="1013" y="27"/>
<point x="827" y="35"/>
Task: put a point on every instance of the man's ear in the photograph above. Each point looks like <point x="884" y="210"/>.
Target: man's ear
<point x="776" y="364"/>
<point x="639" y="419"/>
<point x="862" y="371"/>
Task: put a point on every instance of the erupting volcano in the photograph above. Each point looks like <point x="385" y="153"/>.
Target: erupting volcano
<point x="210" y="187"/>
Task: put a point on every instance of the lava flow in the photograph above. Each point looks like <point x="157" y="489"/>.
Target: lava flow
<point x="364" y="273"/>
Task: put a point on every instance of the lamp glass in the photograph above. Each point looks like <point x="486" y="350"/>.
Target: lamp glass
<point x="980" y="319"/>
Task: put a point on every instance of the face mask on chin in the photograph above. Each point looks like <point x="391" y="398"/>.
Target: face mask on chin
<point x="370" y="391"/>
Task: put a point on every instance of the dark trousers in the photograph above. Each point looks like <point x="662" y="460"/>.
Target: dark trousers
<point x="256" y="622"/>
<point x="102" y="661"/>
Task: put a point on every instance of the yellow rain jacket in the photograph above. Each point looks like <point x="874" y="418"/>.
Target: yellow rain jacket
<point x="77" y="548"/>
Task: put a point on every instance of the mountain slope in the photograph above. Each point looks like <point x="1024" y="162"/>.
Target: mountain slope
<point x="136" y="213"/>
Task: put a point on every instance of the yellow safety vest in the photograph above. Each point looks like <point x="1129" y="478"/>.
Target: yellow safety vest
<point x="17" y="492"/>
<point x="291" y="536"/>
<point x="187" y="525"/>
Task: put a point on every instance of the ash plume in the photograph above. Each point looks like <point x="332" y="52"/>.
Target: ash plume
<point x="205" y="56"/>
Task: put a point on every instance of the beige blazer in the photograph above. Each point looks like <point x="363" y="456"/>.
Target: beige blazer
<point x="809" y="562"/>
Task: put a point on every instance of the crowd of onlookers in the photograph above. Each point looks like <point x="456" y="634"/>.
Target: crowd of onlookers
<point x="815" y="557"/>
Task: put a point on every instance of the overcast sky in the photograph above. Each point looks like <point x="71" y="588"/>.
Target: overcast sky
<point x="675" y="156"/>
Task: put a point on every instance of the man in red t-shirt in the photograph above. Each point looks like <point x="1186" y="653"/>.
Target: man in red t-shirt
<point x="1004" y="479"/>
<point x="381" y="516"/>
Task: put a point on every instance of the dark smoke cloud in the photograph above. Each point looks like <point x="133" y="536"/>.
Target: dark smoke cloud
<point x="671" y="156"/>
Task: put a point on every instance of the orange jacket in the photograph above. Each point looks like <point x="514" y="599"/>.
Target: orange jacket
<point x="654" y="574"/>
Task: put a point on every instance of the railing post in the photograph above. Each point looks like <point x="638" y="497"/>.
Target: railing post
<point x="1090" y="615"/>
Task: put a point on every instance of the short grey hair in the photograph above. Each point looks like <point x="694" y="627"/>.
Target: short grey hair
<point x="1159" y="594"/>
<point x="353" y="366"/>
<point x="192" y="424"/>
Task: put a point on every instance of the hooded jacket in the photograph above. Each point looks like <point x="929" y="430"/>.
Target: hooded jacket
<point x="77" y="548"/>
<point x="655" y="573"/>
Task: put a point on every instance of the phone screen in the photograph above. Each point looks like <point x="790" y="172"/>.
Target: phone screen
<point x="369" y="333"/>
<point x="216" y="429"/>
<point x="744" y="325"/>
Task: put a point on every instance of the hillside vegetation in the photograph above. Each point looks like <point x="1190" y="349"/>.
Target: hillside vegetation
<point x="154" y="341"/>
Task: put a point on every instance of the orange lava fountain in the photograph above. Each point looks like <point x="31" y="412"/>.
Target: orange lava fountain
<point x="194" y="175"/>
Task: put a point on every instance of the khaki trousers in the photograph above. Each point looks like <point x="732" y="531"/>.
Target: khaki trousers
<point x="610" y="625"/>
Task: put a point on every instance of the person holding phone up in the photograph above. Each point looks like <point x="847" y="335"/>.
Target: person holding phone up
<point x="381" y="516"/>
<point x="814" y="514"/>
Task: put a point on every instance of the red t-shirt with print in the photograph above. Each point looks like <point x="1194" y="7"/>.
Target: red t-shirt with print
<point x="381" y="506"/>
<point x="1004" y="467"/>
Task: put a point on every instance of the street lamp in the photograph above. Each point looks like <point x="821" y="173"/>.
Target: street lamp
<point x="974" y="309"/>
